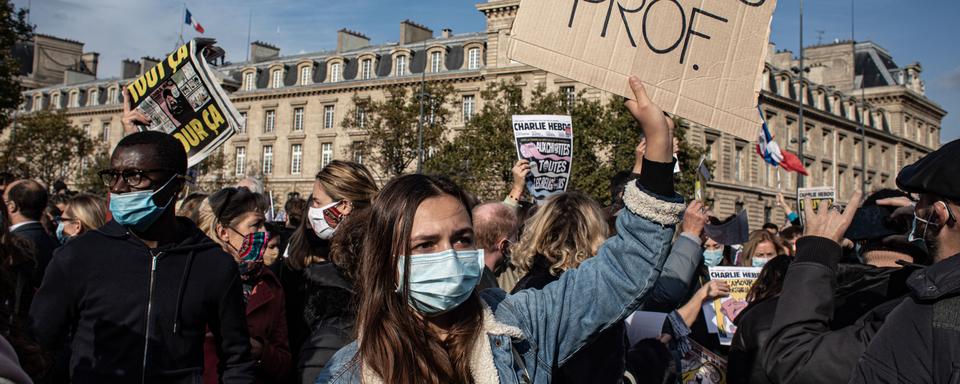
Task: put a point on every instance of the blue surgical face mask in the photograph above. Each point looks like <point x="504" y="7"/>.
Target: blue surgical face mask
<point x="441" y="281"/>
<point x="759" y="261"/>
<point x="61" y="237"/>
<point x="712" y="257"/>
<point x="137" y="209"/>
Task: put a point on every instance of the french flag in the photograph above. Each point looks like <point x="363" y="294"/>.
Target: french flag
<point x="773" y="155"/>
<point x="191" y="22"/>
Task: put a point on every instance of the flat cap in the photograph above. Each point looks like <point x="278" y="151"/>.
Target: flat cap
<point x="937" y="173"/>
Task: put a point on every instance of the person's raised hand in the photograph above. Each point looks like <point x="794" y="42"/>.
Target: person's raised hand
<point x="520" y="171"/>
<point x="657" y="128"/>
<point x="828" y="222"/>
<point x="695" y="218"/>
<point x="131" y="117"/>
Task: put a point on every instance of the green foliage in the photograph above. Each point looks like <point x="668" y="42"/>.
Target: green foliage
<point x="391" y="124"/>
<point x="13" y="29"/>
<point x="689" y="156"/>
<point x="88" y="179"/>
<point x="44" y="146"/>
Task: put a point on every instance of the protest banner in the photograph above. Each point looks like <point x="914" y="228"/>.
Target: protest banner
<point x="817" y="196"/>
<point x="547" y="142"/>
<point x="721" y="312"/>
<point x="701" y="366"/>
<point x="183" y="98"/>
<point x="700" y="60"/>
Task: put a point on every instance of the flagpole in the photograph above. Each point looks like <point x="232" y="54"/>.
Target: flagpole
<point x="183" y="20"/>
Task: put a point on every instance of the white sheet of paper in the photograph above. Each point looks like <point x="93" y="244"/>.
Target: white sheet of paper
<point x="644" y="325"/>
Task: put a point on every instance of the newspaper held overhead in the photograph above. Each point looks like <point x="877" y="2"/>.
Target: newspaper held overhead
<point x="721" y="312"/>
<point x="183" y="98"/>
<point x="701" y="60"/>
<point x="547" y="142"/>
<point x="817" y="196"/>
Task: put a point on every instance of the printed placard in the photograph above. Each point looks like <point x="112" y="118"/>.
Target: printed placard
<point x="547" y="142"/>
<point x="721" y="312"/>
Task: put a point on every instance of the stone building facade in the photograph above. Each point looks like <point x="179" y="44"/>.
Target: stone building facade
<point x="294" y="106"/>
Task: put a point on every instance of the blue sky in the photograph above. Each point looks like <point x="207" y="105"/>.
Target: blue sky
<point x="923" y="31"/>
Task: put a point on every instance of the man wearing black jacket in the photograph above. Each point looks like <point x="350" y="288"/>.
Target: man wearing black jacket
<point x="920" y="341"/>
<point x="26" y="200"/>
<point x="139" y="294"/>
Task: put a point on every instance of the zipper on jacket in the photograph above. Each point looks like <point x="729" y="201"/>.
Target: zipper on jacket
<point x="146" y="335"/>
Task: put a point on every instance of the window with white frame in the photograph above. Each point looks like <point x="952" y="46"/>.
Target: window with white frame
<point x="401" y="65"/>
<point x="362" y="116"/>
<point x="267" y="159"/>
<point x="249" y="81"/>
<point x="73" y="100"/>
<point x="94" y="98"/>
<point x="469" y="107"/>
<point x="336" y="72"/>
<point x="473" y="58"/>
<point x="240" y="161"/>
<point x="326" y="154"/>
<point x="298" y="119"/>
<point x="366" y="69"/>
<point x="55" y="101"/>
<point x="306" y="72"/>
<point x="269" y="121"/>
<point x="86" y="129"/>
<point x="296" y="159"/>
<point x="38" y="103"/>
<point x="111" y="95"/>
<point x="328" y="115"/>
<point x="436" y="59"/>
<point x="359" y="148"/>
<point x="276" y="80"/>
<point x="105" y="133"/>
<point x="242" y="128"/>
<point x="569" y="96"/>
<point x="738" y="164"/>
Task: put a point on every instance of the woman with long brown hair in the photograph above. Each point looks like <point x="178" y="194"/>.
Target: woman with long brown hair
<point x="421" y="320"/>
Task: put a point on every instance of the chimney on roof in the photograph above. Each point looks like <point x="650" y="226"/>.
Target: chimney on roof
<point x="90" y="61"/>
<point x="146" y="63"/>
<point x="261" y="51"/>
<point x="447" y="33"/>
<point x="411" y="32"/>
<point x="129" y="69"/>
<point x="348" y="40"/>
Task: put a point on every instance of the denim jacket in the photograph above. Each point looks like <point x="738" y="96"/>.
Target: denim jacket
<point x="532" y="331"/>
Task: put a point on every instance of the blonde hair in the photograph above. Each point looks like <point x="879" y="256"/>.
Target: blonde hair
<point x="348" y="180"/>
<point x="90" y="210"/>
<point x="756" y="238"/>
<point x="568" y="229"/>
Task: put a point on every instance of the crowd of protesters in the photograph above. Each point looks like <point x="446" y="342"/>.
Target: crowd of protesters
<point x="416" y="281"/>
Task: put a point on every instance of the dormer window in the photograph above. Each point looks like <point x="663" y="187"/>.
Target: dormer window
<point x="336" y="72"/>
<point x="38" y="103"/>
<point x="436" y="60"/>
<point x="249" y="81"/>
<point x="366" y="69"/>
<point x="55" y="101"/>
<point x="94" y="97"/>
<point x="473" y="58"/>
<point x="276" y="78"/>
<point x="73" y="100"/>
<point x="111" y="95"/>
<point x="306" y="74"/>
<point x="401" y="65"/>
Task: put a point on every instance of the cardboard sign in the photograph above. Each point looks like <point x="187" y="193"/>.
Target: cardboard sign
<point x="700" y="60"/>
<point x="721" y="312"/>
<point x="547" y="142"/>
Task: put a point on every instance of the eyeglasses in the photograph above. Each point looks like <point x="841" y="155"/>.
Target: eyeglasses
<point x="133" y="177"/>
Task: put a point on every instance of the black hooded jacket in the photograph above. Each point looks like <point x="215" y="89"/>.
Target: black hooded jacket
<point x="139" y="315"/>
<point x="331" y="313"/>
<point x="920" y="341"/>
<point x="826" y="315"/>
